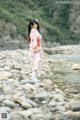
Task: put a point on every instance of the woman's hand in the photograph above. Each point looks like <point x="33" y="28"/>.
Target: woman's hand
<point x="36" y="49"/>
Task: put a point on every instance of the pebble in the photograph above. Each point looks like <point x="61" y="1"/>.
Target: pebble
<point x="27" y="101"/>
<point x="42" y="96"/>
<point x="74" y="105"/>
<point x="9" y="103"/>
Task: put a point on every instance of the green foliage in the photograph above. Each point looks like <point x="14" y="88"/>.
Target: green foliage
<point x="53" y="17"/>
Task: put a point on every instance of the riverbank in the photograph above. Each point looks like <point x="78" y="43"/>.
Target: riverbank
<point x="44" y="100"/>
<point x="64" y="49"/>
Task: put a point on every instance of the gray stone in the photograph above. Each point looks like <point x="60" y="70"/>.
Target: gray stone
<point x="58" y="116"/>
<point x="24" y="114"/>
<point x="77" y="115"/>
<point x="53" y="109"/>
<point x="2" y="97"/>
<point x="7" y="109"/>
<point x="41" y="96"/>
<point x="39" y="116"/>
<point x="61" y="108"/>
<point x="69" y="115"/>
<point x="58" y="97"/>
<point x="18" y="116"/>
<point x="52" y="103"/>
<point x="74" y="105"/>
<point x="8" y="90"/>
<point x="26" y="105"/>
<point x="9" y="103"/>
<point x="1" y="89"/>
<point x="5" y="75"/>
<point x="34" y="104"/>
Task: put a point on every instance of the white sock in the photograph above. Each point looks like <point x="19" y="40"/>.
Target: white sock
<point x="34" y="77"/>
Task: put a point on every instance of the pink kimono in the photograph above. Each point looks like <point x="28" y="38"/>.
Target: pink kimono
<point x="35" y="46"/>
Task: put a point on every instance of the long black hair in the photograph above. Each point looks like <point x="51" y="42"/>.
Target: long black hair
<point x="31" y="23"/>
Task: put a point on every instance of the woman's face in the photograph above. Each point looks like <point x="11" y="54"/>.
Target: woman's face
<point x="34" y="25"/>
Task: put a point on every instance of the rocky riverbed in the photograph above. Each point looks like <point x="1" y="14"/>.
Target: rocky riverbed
<point x="44" y="100"/>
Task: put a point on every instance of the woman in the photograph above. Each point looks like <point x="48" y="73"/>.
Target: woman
<point x="34" y="38"/>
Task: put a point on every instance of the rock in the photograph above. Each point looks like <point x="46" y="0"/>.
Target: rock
<point x="8" y="90"/>
<point x="28" y="87"/>
<point x="52" y="103"/>
<point x="59" y="91"/>
<point x="18" y="116"/>
<point x="58" y="97"/>
<point x="5" y="75"/>
<point x="1" y="89"/>
<point x="42" y="96"/>
<point x="24" y="102"/>
<point x="26" y="105"/>
<point x="60" y="108"/>
<point x="75" y="67"/>
<point x="48" y="84"/>
<point x="16" y="99"/>
<point x="69" y="115"/>
<point x="7" y="109"/>
<point x="77" y="115"/>
<point x="58" y="116"/>
<point x="34" y="104"/>
<point x="9" y="103"/>
<point x="2" y="97"/>
<point x="52" y="106"/>
<point x="39" y="116"/>
<point x="24" y="115"/>
<point x="61" y="103"/>
<point x="74" y="105"/>
<point x="53" y="109"/>
<point x="40" y="101"/>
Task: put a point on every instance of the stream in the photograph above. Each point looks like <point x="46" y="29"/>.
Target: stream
<point x="61" y="73"/>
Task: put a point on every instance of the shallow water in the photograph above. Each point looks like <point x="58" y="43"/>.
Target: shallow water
<point x="73" y="58"/>
<point x="66" y="78"/>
